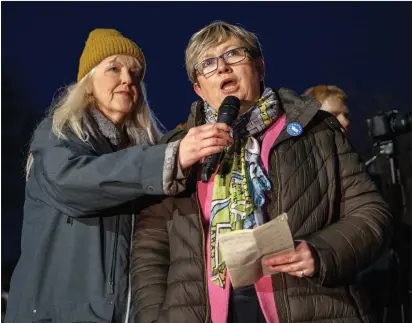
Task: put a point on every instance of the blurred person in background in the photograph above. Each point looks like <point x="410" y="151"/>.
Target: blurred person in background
<point x="333" y="100"/>
<point x="89" y="161"/>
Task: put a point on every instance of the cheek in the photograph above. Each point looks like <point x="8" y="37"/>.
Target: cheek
<point x="252" y="82"/>
<point x="209" y="92"/>
<point x="137" y="93"/>
<point x="97" y="92"/>
<point x="103" y="91"/>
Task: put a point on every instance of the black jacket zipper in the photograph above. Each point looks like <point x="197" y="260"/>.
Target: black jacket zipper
<point x="110" y="287"/>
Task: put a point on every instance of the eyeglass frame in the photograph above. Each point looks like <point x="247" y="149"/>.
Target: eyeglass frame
<point x="245" y="51"/>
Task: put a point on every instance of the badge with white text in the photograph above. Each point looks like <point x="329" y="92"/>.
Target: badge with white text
<point x="294" y="129"/>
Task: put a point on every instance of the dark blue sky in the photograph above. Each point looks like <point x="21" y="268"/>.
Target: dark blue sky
<point x="364" y="48"/>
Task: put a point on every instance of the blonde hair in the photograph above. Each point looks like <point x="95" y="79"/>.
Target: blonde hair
<point x="215" y="34"/>
<point x="323" y="92"/>
<point x="68" y="111"/>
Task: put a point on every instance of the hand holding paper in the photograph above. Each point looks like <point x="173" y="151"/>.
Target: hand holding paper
<point x="245" y="251"/>
<point x="300" y="262"/>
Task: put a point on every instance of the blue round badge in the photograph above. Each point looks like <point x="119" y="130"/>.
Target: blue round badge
<point x="294" y="129"/>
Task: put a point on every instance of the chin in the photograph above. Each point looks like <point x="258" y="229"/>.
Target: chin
<point x="124" y="109"/>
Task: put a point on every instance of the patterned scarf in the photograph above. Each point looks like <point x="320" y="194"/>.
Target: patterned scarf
<point x="240" y="182"/>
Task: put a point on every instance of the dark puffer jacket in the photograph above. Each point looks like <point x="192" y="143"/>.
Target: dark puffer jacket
<point x="331" y="202"/>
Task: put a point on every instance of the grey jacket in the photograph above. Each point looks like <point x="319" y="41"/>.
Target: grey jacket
<point x="78" y="224"/>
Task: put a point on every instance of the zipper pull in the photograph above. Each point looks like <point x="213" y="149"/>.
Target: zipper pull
<point x="110" y="288"/>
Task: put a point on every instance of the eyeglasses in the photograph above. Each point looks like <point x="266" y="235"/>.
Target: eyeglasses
<point x="230" y="57"/>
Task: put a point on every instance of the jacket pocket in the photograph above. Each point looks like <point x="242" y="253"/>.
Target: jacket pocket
<point x="68" y="312"/>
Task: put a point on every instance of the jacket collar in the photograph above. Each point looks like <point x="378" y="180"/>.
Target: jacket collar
<point x="107" y="128"/>
<point x="101" y="134"/>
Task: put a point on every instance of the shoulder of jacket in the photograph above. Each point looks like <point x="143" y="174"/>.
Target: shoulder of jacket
<point x="43" y="138"/>
<point x="328" y="121"/>
<point x="333" y="123"/>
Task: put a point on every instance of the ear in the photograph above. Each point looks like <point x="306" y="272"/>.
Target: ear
<point x="198" y="90"/>
<point x="89" y="86"/>
<point x="260" y="66"/>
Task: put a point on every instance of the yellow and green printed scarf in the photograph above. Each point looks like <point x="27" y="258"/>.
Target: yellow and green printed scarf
<point x="240" y="182"/>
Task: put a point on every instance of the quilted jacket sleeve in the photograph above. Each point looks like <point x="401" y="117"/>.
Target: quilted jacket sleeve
<point x="150" y="263"/>
<point x="353" y="242"/>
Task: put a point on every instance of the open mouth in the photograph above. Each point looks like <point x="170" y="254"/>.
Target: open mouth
<point x="228" y="84"/>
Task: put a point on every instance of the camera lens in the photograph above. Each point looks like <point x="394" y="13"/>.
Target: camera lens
<point x="401" y="124"/>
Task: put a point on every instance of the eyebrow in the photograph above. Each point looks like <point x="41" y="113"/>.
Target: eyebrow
<point x="134" y="65"/>
<point x="113" y="60"/>
<point x="224" y="50"/>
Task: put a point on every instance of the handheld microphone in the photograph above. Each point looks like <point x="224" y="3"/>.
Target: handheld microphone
<point x="228" y="113"/>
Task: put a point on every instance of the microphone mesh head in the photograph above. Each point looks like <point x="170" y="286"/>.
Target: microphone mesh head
<point x="229" y="110"/>
<point x="231" y="100"/>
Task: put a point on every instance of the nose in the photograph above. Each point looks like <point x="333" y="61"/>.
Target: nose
<point x="222" y="66"/>
<point x="126" y="78"/>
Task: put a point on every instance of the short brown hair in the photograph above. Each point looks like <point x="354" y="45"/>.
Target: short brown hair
<point x="215" y="34"/>
<point x="322" y="92"/>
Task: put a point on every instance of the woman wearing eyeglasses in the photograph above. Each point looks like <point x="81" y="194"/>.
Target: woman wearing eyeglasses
<point x="287" y="156"/>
